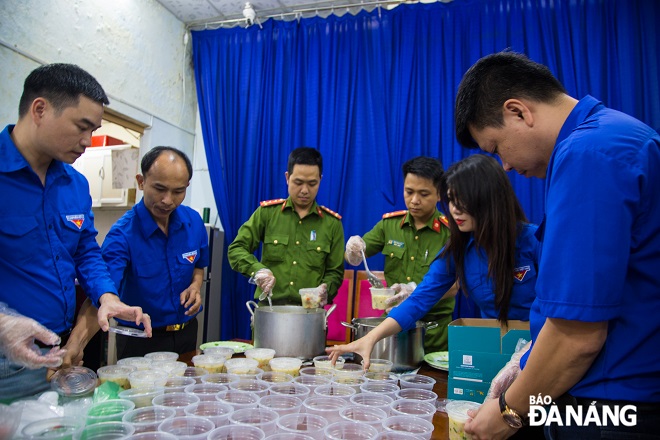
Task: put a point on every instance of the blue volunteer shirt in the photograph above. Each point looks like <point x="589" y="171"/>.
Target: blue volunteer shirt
<point x="600" y="254"/>
<point x="151" y="269"/>
<point x="47" y="240"/>
<point x="479" y="285"/>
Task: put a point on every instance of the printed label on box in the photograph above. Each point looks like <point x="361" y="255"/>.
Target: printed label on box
<point x="467" y="359"/>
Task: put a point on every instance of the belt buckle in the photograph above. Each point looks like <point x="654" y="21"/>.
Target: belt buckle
<point x="175" y="327"/>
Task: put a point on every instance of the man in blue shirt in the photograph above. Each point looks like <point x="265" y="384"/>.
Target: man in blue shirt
<point x="156" y="254"/>
<point x="47" y="234"/>
<point x="595" y="325"/>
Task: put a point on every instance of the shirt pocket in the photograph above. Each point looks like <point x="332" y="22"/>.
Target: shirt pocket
<point x="150" y="271"/>
<point x="524" y="272"/>
<point x="393" y="252"/>
<point x="185" y="267"/>
<point x="20" y="237"/>
<point x="275" y="248"/>
<point x="72" y="227"/>
<point x="317" y="253"/>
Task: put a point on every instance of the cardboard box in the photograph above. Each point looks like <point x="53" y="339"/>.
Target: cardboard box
<point x="104" y="141"/>
<point x="461" y="389"/>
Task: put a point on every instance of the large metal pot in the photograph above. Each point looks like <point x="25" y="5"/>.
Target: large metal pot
<point x="405" y="349"/>
<point x="292" y="331"/>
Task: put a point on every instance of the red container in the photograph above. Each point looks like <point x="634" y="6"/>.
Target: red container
<point x="104" y="141"/>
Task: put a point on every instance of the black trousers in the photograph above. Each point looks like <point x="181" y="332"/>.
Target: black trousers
<point x="180" y="341"/>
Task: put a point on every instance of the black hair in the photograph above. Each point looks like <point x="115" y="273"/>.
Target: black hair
<point x="153" y="154"/>
<point x="426" y="167"/>
<point x="305" y="156"/>
<point x="490" y="82"/>
<point x="478" y="186"/>
<point x="62" y="85"/>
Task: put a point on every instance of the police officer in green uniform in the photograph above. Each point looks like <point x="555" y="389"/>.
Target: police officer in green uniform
<point x="303" y="242"/>
<point x="410" y="240"/>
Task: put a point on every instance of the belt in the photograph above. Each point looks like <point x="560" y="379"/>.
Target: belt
<point x="64" y="337"/>
<point x="171" y="328"/>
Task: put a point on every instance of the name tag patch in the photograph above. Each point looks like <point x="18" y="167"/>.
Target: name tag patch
<point x="76" y="219"/>
<point x="398" y="244"/>
<point x="190" y="256"/>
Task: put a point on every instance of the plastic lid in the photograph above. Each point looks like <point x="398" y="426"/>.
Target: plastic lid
<point x="128" y="331"/>
<point x="74" y="381"/>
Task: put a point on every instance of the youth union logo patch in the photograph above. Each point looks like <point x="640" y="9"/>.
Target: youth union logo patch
<point x="190" y="256"/>
<point x="77" y="219"/>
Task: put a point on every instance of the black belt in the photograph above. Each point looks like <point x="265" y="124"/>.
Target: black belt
<point x="171" y="328"/>
<point x="64" y="337"/>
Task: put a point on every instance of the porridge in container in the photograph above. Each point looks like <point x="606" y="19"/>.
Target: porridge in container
<point x="241" y="365"/>
<point x="457" y="410"/>
<point x="311" y="298"/>
<point x="325" y="362"/>
<point x="261" y="355"/>
<point x="379" y="296"/>
<point x="211" y="363"/>
<point x="288" y="365"/>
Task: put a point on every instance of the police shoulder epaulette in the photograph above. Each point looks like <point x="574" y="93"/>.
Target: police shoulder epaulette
<point x="331" y="212"/>
<point x="443" y="219"/>
<point x="395" y="214"/>
<point x="272" y="202"/>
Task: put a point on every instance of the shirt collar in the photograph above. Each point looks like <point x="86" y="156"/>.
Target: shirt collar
<point x="314" y="209"/>
<point x="433" y="223"/>
<point x="584" y="108"/>
<point x="148" y="224"/>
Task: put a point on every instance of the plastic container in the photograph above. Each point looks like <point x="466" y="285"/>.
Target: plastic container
<point x="350" y="430"/>
<point x="379" y="296"/>
<point x="282" y="405"/>
<point x="141" y="397"/>
<point x="410" y="425"/>
<point x="310" y="298"/>
<point x="289" y="389"/>
<point x="252" y="374"/>
<point x="147" y="419"/>
<point x="396" y="435"/>
<point x="325" y="362"/>
<point x="105" y="431"/>
<point x="242" y="432"/>
<point x="353" y="370"/>
<point x="416" y="381"/>
<point x="227" y="352"/>
<point x="178" y="401"/>
<point x="275" y="377"/>
<point x="327" y="407"/>
<point x="140" y="363"/>
<point x="211" y="363"/>
<point x="74" y="383"/>
<point x="195" y="373"/>
<point x="386" y="388"/>
<point x="414" y="408"/>
<point x="117" y="374"/>
<point x="373" y="376"/>
<point x="162" y="356"/>
<point x="152" y="436"/>
<point x="187" y="427"/>
<point x="288" y="365"/>
<point x="289" y="436"/>
<point x="335" y="391"/>
<point x="307" y="424"/>
<point x="205" y="391"/>
<point x="353" y="382"/>
<point x="317" y="371"/>
<point x="312" y="382"/>
<point x="262" y="418"/>
<point x="178" y="384"/>
<point x="109" y="411"/>
<point x="373" y="400"/>
<point x="241" y="366"/>
<point x="256" y="386"/>
<point x="380" y="365"/>
<point x="173" y="368"/>
<point x="217" y="412"/>
<point x="60" y="428"/>
<point x="220" y="378"/>
<point x="457" y="411"/>
<point x="238" y="399"/>
<point x="261" y="355"/>
<point x="148" y="378"/>
<point x="370" y="415"/>
<point x="417" y="394"/>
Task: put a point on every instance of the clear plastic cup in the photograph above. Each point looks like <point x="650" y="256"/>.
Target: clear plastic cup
<point x="380" y="365"/>
<point x="252" y="374"/>
<point x="275" y="377"/>
<point x="373" y="376"/>
<point x="370" y="415"/>
<point x="105" y="431"/>
<point x="178" y="401"/>
<point x="148" y="378"/>
<point x="289" y="436"/>
<point x="162" y="356"/>
<point x="60" y="428"/>
<point x="238" y="399"/>
<point x="227" y="352"/>
<point x="317" y="371"/>
<point x="242" y="432"/>
<point x="379" y="296"/>
<point x="353" y="382"/>
<point x="386" y="388"/>
<point x="281" y="404"/>
<point x="211" y="363"/>
<point x="350" y="430"/>
<point x="312" y="382"/>
<point x="141" y="397"/>
<point x="109" y="411"/>
<point x="188" y="427"/>
<point x="308" y="424"/>
<point x="414" y="408"/>
<point x="411" y="425"/>
<point x="335" y="391"/>
<point x="220" y="378"/>
<point x="262" y="418"/>
<point x="256" y="386"/>
<point x="457" y="411"/>
<point x="353" y="370"/>
<point x="325" y="362"/>
<point x="241" y="366"/>
<point x="195" y="373"/>
<point x="417" y="394"/>
<point x="396" y="435"/>
<point x="217" y="412"/>
<point x="178" y="384"/>
<point x="289" y="389"/>
<point x="288" y="365"/>
<point x="310" y="297"/>
<point x="261" y="355"/>
<point x="147" y="419"/>
<point x="173" y="368"/>
<point x="205" y="391"/>
<point x="140" y="363"/>
<point x="416" y="381"/>
<point x="327" y="407"/>
<point x="152" y="436"/>
<point x="117" y="374"/>
<point x="372" y="400"/>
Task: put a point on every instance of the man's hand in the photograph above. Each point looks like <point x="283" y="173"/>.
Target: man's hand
<point x="265" y="280"/>
<point x="112" y="307"/>
<point x="191" y="299"/>
<point x="354" y="248"/>
<point x="403" y="291"/>
<point x="17" y="335"/>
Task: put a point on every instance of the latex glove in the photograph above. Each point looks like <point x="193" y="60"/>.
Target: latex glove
<point x="505" y="377"/>
<point x="322" y="291"/>
<point x="354" y="247"/>
<point x="265" y="280"/>
<point x="17" y="335"/>
<point x="403" y="292"/>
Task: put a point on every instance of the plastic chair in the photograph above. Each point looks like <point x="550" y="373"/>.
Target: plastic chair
<point x="337" y="333"/>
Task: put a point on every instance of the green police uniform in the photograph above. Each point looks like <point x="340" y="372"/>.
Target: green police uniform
<point x="301" y="253"/>
<point x="408" y="254"/>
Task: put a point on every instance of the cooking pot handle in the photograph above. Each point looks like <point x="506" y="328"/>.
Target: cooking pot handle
<point x="327" y="313"/>
<point x="351" y="326"/>
<point x="430" y="325"/>
<point x="256" y="306"/>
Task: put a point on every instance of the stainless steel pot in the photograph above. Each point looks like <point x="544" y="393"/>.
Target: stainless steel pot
<point x="292" y="331"/>
<point x="405" y="349"/>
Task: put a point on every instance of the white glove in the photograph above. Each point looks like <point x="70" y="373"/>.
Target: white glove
<point x="322" y="291"/>
<point x="17" y="335"/>
<point x="505" y="377"/>
<point x="354" y="248"/>
<point x="403" y="292"/>
<point x="265" y="280"/>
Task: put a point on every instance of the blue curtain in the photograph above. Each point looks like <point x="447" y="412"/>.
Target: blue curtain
<point x="373" y="90"/>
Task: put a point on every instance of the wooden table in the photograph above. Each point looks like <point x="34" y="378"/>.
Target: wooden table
<point x="440" y="420"/>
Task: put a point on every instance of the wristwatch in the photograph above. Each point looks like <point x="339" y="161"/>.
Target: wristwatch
<point x="511" y="416"/>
